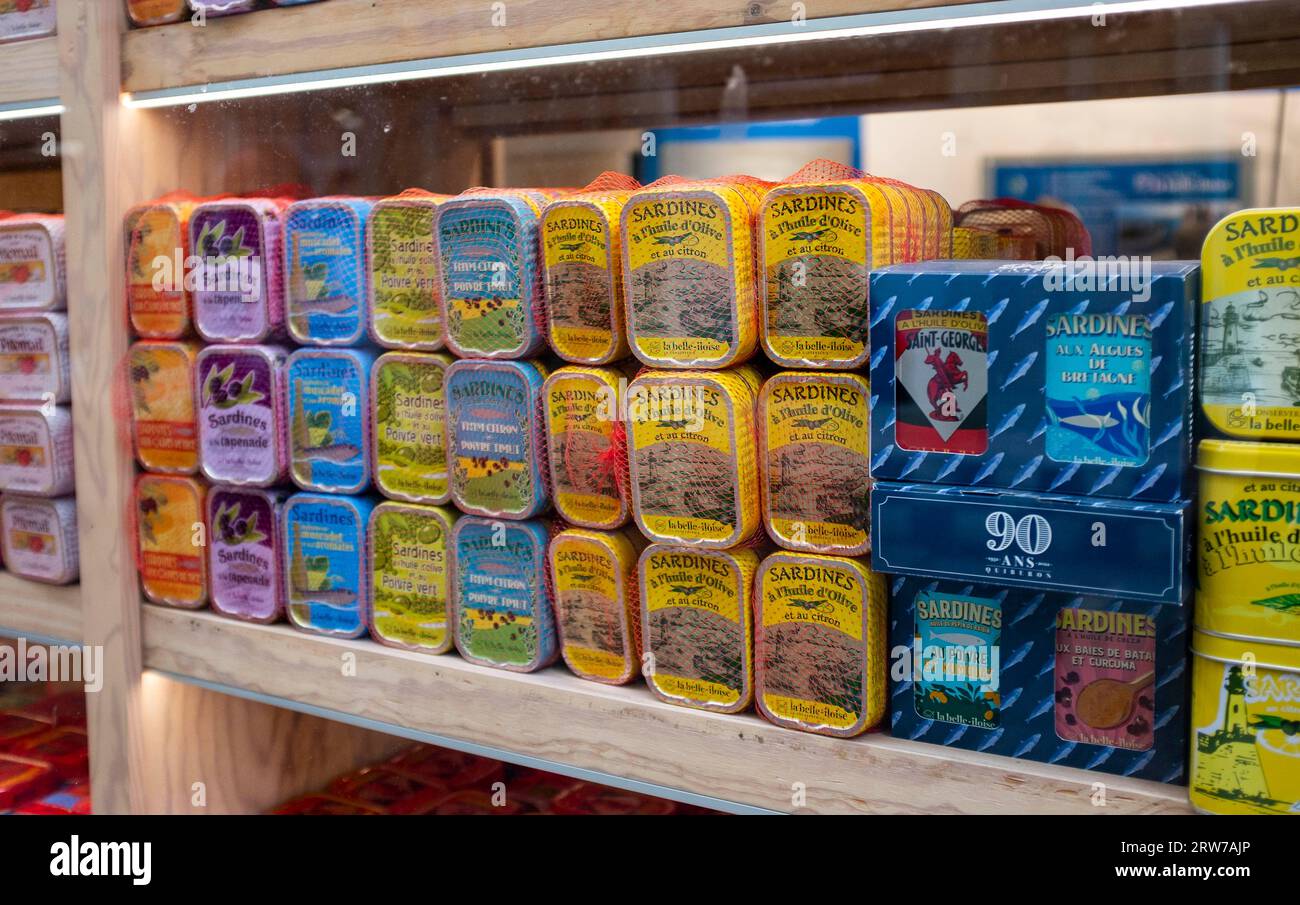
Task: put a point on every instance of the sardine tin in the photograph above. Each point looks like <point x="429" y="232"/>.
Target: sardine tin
<point x="329" y="420"/>
<point x="1249" y="507"/>
<point x="597" y="609"/>
<point x="241" y="417"/>
<point x="697" y="627"/>
<point x="1250" y="364"/>
<point x="40" y="537"/>
<point x="1034" y="376"/>
<point x="581" y="256"/>
<point x="408" y="399"/>
<point x="815" y="474"/>
<point x="1244" y="716"/>
<point x="1085" y="545"/>
<point x="33" y="263"/>
<point x="325" y="292"/>
<point x="326" y="571"/>
<point x="495" y="446"/>
<point x="410" y="567"/>
<point x="504" y="615"/>
<point x="692" y="450"/>
<point x="36" y="451"/>
<point x="170" y="521"/>
<point x="819" y="643"/>
<point x="239" y="241"/>
<point x="22" y="21"/>
<point x="244" y="552"/>
<point x="1000" y="670"/>
<point x="491" y="276"/>
<point x="157" y="248"/>
<point x="587" y="446"/>
<point x="34" y="360"/>
<point x="164" y="428"/>
<point x="403" y="282"/>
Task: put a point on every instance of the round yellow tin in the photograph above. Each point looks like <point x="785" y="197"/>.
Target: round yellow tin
<point x="696" y="622"/>
<point x="692" y="455"/>
<point x="1245" y="749"/>
<point x="596" y="603"/>
<point x="1249" y="540"/>
<point x="1250" y="291"/>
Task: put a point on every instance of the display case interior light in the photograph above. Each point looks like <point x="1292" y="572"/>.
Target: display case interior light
<point x="10" y="112"/>
<point x="1005" y="12"/>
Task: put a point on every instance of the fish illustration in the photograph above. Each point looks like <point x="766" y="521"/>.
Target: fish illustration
<point x="1026" y="471"/>
<point x="824" y="606"/>
<point x="676" y="424"/>
<point x="988" y="468"/>
<point x="688" y="590"/>
<point x="1107" y="478"/>
<point x="334" y="452"/>
<point x="883" y="311"/>
<point x="953" y="461"/>
<point x="1062" y="752"/>
<point x="913" y="464"/>
<point x="334" y="304"/>
<point x="993" y="739"/>
<point x="572" y="246"/>
<point x="1008" y="420"/>
<point x="1066" y="474"/>
<point x="1011" y="697"/>
<point x="996" y="311"/>
<point x="1028" y="608"/>
<point x="882" y="456"/>
<point x="582" y="576"/>
<point x="1155" y="320"/>
<point x="678" y="239"/>
<point x="1140" y="762"/>
<point x="1282" y="264"/>
<point x="1016" y="656"/>
<point x="1102" y="756"/>
<point x="813" y="235"/>
<point x="1031" y="317"/>
<point x="813" y="423"/>
<point x="955" y="735"/>
<point x="1116" y="422"/>
<point x="1149" y="480"/>
<point x="1020" y="370"/>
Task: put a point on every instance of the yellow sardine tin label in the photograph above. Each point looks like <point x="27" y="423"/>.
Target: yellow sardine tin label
<point x="820" y="653"/>
<point x="583" y="409"/>
<point x="695" y="617"/>
<point x="816" y="464"/>
<point x="596" y="605"/>
<point x="692" y="454"/>
<point x="688" y="275"/>
<point x="1245" y="748"/>
<point x="1248" y="548"/>
<point x="584" y="284"/>
<point x="1250" y="292"/>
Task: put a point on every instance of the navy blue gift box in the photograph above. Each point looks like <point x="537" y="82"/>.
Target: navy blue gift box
<point x="1034" y="376"/>
<point x="1087" y="682"/>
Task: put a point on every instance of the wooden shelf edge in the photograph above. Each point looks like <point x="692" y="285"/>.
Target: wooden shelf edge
<point x="359" y="33"/>
<point x="40" y="612"/>
<point x="31" y="72"/>
<point x="552" y="718"/>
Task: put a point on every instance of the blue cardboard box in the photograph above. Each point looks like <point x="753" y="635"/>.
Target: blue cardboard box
<point x="1082" y="545"/>
<point x="1086" y="682"/>
<point x="1034" y="376"/>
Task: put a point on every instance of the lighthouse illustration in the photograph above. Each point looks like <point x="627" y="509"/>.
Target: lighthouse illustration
<point x="1227" y="761"/>
<point x="1231" y="338"/>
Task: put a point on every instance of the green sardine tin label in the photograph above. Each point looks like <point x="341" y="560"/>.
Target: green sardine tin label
<point x="958" y="644"/>
<point x="410" y="426"/>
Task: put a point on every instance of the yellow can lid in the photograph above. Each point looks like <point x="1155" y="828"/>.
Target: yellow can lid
<point x="1264" y="653"/>
<point x="1249" y="458"/>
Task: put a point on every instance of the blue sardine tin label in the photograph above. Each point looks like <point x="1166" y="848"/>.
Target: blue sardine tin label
<point x="1088" y="545"/>
<point x="325" y="272"/>
<point x="1035" y="675"/>
<point x="326" y="567"/>
<point x="504" y="614"/>
<point x="1080" y="382"/>
<point x="329" y="419"/>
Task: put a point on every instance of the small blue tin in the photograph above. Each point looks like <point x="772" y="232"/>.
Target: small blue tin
<point x="330" y="421"/>
<point x="1084" y="545"/>
<point x="326" y="569"/>
<point x="1089" y="682"/>
<point x="1037" y="375"/>
<point x="325" y="271"/>
<point x="504" y="612"/>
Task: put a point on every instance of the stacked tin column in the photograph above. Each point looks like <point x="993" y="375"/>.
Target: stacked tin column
<point x="1245" y="752"/>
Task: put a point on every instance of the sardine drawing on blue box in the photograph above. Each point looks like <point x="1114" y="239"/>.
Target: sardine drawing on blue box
<point x="330" y="420"/>
<point x="326" y="571"/>
<point x="1085" y="545"/>
<point x="1091" y="682"/>
<point x="1066" y="377"/>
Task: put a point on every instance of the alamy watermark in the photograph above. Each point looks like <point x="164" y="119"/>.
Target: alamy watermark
<point x="1113" y="273"/>
<point x="24" y="662"/>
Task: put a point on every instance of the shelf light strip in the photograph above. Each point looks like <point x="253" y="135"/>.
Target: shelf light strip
<point x="443" y="741"/>
<point x="739" y="38"/>
<point x="30" y="109"/>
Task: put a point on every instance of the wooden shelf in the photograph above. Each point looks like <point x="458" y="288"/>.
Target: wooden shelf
<point x="624" y="734"/>
<point x="39" y="611"/>
<point x="357" y="33"/>
<point x="31" y="72"/>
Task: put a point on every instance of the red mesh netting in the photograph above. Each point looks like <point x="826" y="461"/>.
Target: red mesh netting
<point x="610" y="181"/>
<point x="1055" y="231"/>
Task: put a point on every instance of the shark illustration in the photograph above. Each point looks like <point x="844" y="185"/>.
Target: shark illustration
<point x="1117" y="422"/>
